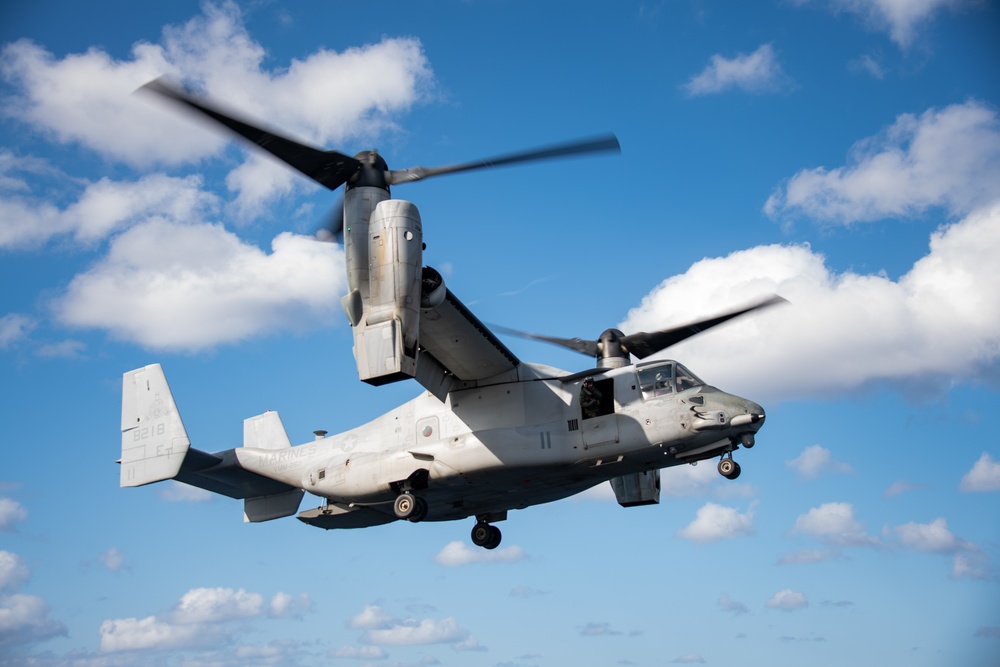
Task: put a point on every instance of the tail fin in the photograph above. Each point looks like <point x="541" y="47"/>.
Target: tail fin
<point x="154" y="441"/>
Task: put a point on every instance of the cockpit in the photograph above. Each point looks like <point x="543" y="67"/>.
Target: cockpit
<point x="661" y="378"/>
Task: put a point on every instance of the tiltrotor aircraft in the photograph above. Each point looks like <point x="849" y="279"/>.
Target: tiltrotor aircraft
<point x="490" y="434"/>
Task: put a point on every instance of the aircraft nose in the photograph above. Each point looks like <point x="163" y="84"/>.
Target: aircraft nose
<point x="753" y="418"/>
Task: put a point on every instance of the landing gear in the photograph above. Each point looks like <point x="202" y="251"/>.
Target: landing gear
<point x="486" y="536"/>
<point x="729" y="468"/>
<point x="409" y="507"/>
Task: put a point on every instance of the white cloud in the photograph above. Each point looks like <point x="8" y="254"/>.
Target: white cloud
<point x="29" y="219"/>
<point x="185" y="287"/>
<point x="383" y="629"/>
<point x="284" y="605"/>
<point x="11" y="512"/>
<point x="841" y="331"/>
<point x="968" y="561"/>
<point x="984" y="476"/>
<point x="689" y="659"/>
<point x="815" y="460"/>
<point x="86" y="98"/>
<point x="788" y="600"/>
<point x="113" y="559"/>
<point x="152" y="633"/>
<point x="733" y="606"/>
<point x="202" y="618"/>
<point x="835" y="524"/>
<point x="456" y="554"/>
<point x="13" y="571"/>
<point x="417" y="632"/>
<point x="716" y="522"/>
<point x="902" y="19"/>
<point x="933" y="537"/>
<point x="361" y="653"/>
<point x="758" y="72"/>
<point x="946" y="158"/>
<point x="13" y="328"/>
<point x="215" y="605"/>
<point x="25" y="619"/>
<point x="372" y="616"/>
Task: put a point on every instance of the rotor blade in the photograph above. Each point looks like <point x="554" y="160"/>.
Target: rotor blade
<point x="643" y="344"/>
<point x="333" y="230"/>
<point x="588" y="347"/>
<point x="328" y="168"/>
<point x="597" y="145"/>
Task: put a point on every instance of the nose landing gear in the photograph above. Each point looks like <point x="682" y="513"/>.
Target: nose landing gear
<point x="729" y="468"/>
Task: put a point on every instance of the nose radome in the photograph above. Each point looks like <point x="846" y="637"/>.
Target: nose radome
<point x="754" y="417"/>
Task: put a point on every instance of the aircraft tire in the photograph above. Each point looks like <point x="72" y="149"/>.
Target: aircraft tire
<point x="495" y="537"/>
<point x="405" y="505"/>
<point x="728" y="468"/>
<point x="420" y="511"/>
<point x="482" y="534"/>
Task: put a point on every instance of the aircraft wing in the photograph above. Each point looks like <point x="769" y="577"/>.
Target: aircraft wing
<point x="460" y="346"/>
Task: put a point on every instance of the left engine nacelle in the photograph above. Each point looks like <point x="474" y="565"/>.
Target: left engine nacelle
<point x="387" y="322"/>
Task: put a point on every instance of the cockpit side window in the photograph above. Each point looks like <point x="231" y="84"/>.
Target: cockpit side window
<point x="686" y="379"/>
<point x="657" y="379"/>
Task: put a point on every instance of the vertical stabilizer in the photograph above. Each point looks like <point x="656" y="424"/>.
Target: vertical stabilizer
<point x="154" y="441"/>
<point x="267" y="432"/>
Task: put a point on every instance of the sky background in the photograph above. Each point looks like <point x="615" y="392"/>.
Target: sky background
<point x="842" y="153"/>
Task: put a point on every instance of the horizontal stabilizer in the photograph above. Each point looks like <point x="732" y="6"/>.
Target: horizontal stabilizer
<point x="266" y="508"/>
<point x="154" y="441"/>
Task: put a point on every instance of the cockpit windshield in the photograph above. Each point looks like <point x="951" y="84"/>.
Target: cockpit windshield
<point x="660" y="378"/>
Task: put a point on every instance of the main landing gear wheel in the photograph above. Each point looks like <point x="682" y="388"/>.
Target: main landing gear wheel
<point x="486" y="536"/>
<point x="409" y="507"/>
<point x="729" y="468"/>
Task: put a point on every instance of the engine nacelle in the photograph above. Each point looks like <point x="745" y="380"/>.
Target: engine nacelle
<point x="639" y="488"/>
<point x="387" y="322"/>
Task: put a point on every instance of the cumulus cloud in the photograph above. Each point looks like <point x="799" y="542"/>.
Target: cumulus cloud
<point x="381" y="628"/>
<point x="14" y="327"/>
<point x="11" y="512"/>
<point x="835" y="524"/>
<point x="202" y="618"/>
<point x="757" y="72"/>
<point x="815" y="460"/>
<point x="113" y="559"/>
<point x="716" y="522"/>
<point x="968" y="561"/>
<point x="456" y="554"/>
<point x="900" y="18"/>
<point x="13" y="571"/>
<point x="360" y="653"/>
<point x="24" y="619"/>
<point x="842" y="330"/>
<point x="733" y="606"/>
<point x="327" y="96"/>
<point x="947" y="158"/>
<point x="788" y="600"/>
<point x="167" y="285"/>
<point x="984" y="476"/>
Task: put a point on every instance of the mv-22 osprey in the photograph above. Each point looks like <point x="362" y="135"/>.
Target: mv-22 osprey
<point x="490" y="434"/>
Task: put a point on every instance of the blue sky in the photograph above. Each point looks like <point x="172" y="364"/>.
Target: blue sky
<point x="844" y="154"/>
